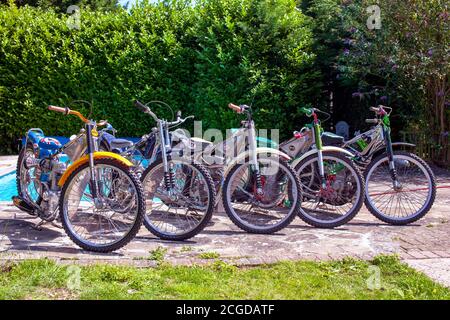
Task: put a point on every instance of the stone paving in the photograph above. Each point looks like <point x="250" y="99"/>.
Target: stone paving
<point x="437" y="269"/>
<point x="425" y="245"/>
<point x="7" y="164"/>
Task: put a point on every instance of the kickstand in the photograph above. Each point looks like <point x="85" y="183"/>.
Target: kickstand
<point x="38" y="226"/>
<point x="56" y="225"/>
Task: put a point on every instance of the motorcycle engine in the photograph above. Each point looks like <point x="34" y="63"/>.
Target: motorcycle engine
<point x="344" y="188"/>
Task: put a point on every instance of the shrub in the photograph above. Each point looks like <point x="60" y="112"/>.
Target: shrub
<point x="196" y="57"/>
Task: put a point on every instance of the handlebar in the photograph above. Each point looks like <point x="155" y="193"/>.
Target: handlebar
<point x="141" y="106"/>
<point x="67" y="111"/>
<point x="308" y="111"/>
<point x="179" y="120"/>
<point x="146" y="109"/>
<point x="381" y="110"/>
<point x="102" y="123"/>
<point x="372" y="121"/>
<point x="59" y="109"/>
<point x="312" y="112"/>
<point x="235" y="108"/>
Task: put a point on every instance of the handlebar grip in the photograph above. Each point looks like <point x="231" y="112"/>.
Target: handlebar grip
<point x="307" y="111"/>
<point x="140" y="106"/>
<point x="102" y="123"/>
<point x="59" y="109"/>
<point x="372" y="121"/>
<point x="374" y="109"/>
<point x="235" y="107"/>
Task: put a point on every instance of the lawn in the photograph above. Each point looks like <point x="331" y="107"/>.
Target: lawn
<point x="346" y="279"/>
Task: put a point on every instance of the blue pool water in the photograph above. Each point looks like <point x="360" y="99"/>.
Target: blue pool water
<point x="8" y="186"/>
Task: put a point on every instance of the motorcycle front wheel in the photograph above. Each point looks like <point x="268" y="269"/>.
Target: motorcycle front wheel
<point x="409" y="201"/>
<point x="342" y="197"/>
<point x="267" y="210"/>
<point x="184" y="209"/>
<point x="112" y="219"/>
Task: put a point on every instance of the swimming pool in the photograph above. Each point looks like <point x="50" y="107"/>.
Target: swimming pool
<point x="8" y="186"/>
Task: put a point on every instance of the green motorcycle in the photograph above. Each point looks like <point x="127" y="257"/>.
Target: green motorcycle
<point x="332" y="185"/>
<point x="400" y="186"/>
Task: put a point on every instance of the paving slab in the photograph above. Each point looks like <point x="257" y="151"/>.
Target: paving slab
<point x="437" y="269"/>
<point x="7" y="164"/>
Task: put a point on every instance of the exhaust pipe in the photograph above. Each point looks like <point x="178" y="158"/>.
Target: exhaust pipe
<point x="23" y="204"/>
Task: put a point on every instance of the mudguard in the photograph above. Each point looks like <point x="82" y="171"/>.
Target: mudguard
<point x="106" y="138"/>
<point x="324" y="149"/>
<point x="395" y="145"/>
<point x="403" y="144"/>
<point x="241" y="157"/>
<point x="84" y="159"/>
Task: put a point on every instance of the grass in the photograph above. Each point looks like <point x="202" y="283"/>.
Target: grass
<point x="158" y="254"/>
<point x="186" y="249"/>
<point x="209" y="255"/>
<point x="346" y="279"/>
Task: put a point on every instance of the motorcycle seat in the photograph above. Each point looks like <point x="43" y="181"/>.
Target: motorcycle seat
<point x="120" y="143"/>
<point x="331" y="139"/>
<point x="49" y="143"/>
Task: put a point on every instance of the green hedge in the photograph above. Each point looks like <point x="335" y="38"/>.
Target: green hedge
<point x="197" y="58"/>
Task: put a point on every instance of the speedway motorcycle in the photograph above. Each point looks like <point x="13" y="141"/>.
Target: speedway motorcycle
<point x="259" y="189"/>
<point x="400" y="186"/>
<point x="179" y="193"/>
<point x="332" y="185"/>
<point x="96" y="195"/>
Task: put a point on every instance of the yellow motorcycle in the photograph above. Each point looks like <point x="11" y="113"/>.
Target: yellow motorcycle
<point x="98" y="197"/>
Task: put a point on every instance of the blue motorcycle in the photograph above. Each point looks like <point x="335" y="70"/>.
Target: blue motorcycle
<point x="96" y="195"/>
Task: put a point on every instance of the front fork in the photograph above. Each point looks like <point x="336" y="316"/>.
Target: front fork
<point x="254" y="158"/>
<point x="90" y="150"/>
<point x="390" y="153"/>
<point x="166" y="156"/>
<point x="318" y="142"/>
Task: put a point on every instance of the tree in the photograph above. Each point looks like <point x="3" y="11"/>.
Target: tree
<point x="62" y="5"/>
<point x="408" y="59"/>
